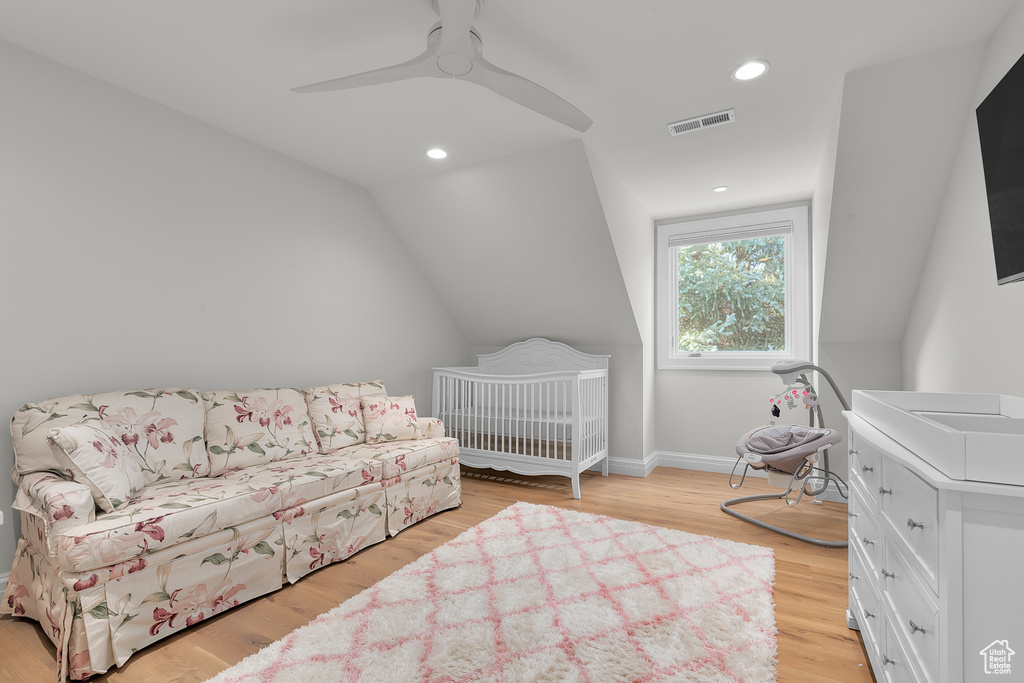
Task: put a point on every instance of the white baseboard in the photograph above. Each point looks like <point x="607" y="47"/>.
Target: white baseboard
<point x="701" y="463"/>
<point x="693" y="461"/>
<point x="3" y="582"/>
<point x="632" y="468"/>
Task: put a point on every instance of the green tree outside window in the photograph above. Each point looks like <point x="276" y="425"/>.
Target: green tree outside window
<point x="732" y="295"/>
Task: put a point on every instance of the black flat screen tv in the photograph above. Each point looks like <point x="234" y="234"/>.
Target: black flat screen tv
<point x="1001" y="130"/>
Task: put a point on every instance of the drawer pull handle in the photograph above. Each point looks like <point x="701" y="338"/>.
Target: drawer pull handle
<point x="914" y="628"/>
<point x="854" y="451"/>
<point x="888" y="575"/>
<point x="867" y="541"/>
<point x="883" y="491"/>
<point x="853" y="577"/>
<point x="870" y="615"/>
<point x="914" y="525"/>
<point x="865" y="468"/>
<point x="852" y="514"/>
<point x="886" y="659"/>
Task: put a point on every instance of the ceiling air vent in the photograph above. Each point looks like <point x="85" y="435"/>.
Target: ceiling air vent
<point x="706" y="121"/>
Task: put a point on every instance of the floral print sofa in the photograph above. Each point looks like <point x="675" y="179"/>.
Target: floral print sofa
<point x="145" y="512"/>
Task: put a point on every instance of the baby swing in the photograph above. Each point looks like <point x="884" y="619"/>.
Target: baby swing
<point x="789" y="454"/>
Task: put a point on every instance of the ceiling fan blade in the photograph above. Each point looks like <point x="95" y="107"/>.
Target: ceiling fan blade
<point x="528" y="94"/>
<point x="456" y="22"/>
<point x="423" y="65"/>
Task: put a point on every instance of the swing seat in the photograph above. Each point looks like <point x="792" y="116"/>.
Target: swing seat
<point x="783" y="447"/>
<point x="789" y="454"/>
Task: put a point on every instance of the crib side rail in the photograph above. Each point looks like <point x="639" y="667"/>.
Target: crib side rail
<point x="590" y="418"/>
<point x="528" y="415"/>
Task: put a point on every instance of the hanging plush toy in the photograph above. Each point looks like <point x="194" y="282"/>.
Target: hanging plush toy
<point x="810" y="399"/>
<point x="792" y="398"/>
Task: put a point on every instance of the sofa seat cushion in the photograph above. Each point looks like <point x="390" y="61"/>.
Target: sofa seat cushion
<point x="164" y="515"/>
<point x="298" y="480"/>
<point x="398" y="457"/>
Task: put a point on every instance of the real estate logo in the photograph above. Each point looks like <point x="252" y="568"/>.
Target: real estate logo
<point x="997" y="657"/>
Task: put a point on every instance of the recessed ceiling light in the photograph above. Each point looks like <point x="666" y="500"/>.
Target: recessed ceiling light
<point x="437" y="153"/>
<point x="720" y="188"/>
<point x="750" y="70"/>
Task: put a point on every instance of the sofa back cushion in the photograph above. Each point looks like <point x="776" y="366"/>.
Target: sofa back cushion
<point x="164" y="426"/>
<point x="246" y="428"/>
<point x="337" y="415"/>
<point x="113" y="471"/>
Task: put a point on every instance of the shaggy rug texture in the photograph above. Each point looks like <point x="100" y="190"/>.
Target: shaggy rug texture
<point x="539" y="593"/>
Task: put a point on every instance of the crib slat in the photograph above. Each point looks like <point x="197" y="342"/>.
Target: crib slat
<point x="547" y="421"/>
<point x="533" y="408"/>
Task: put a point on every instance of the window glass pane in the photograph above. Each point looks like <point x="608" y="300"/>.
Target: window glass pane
<point x="732" y="295"/>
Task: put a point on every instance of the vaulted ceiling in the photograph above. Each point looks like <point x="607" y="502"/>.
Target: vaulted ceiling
<point x="633" y="67"/>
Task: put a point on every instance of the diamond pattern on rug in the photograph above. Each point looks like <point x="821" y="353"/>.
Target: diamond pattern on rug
<point x="539" y="593"/>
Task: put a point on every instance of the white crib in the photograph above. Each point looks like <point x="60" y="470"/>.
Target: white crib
<point x="535" y="407"/>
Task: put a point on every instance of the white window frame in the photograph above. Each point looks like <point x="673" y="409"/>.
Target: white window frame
<point x="793" y="222"/>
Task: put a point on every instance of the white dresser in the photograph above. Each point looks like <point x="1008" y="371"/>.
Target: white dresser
<point x="936" y="528"/>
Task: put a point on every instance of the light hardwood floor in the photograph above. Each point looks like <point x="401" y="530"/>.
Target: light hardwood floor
<point x="810" y="586"/>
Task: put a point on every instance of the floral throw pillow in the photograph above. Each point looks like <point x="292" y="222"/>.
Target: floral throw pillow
<point x="114" y="472"/>
<point x="390" y="418"/>
<point x="337" y="414"/>
<point x="246" y="428"/>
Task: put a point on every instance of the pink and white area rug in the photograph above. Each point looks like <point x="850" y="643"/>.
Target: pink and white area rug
<point x="538" y="593"/>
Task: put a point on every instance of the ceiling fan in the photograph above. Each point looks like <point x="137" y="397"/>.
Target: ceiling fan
<point x="454" y="51"/>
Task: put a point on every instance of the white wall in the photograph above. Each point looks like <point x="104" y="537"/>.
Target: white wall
<point x="821" y="210"/>
<point x="145" y="249"/>
<point x="965" y="333"/>
<point x="704" y="413"/>
<point x="633" y="234"/>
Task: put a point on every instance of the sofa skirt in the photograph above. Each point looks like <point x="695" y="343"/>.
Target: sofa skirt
<point x="96" y="625"/>
<point x="416" y="495"/>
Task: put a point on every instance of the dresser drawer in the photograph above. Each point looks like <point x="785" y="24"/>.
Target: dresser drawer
<point x="912" y="507"/>
<point x="866" y="466"/>
<point x="865" y="603"/>
<point x="896" y="663"/>
<point x="865" y="531"/>
<point x="914" y="612"/>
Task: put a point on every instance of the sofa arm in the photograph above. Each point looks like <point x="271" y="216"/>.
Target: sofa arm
<point x="57" y="504"/>
<point x="430" y="427"/>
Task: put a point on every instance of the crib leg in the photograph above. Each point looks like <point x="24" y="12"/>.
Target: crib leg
<point x="576" y="485"/>
<point x="604" y="467"/>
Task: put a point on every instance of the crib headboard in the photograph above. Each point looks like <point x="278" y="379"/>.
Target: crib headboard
<point x="539" y="355"/>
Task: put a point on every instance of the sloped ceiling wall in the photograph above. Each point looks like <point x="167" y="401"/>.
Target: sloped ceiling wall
<point x="899" y="129"/>
<point x="632" y="231"/>
<point x="520" y="247"/>
<point x="517" y="248"/>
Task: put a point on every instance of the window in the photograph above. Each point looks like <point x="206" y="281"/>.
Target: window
<point x="733" y="292"/>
